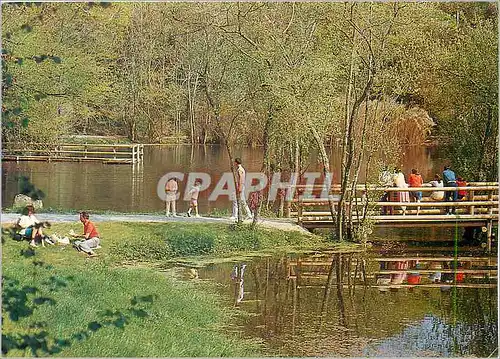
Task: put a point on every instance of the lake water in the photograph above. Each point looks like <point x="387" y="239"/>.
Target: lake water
<point x="97" y="186"/>
<point x="346" y="304"/>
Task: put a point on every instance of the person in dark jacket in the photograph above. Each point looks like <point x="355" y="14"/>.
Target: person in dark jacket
<point x="450" y="180"/>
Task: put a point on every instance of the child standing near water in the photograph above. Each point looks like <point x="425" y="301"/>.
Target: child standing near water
<point x="171" y="191"/>
<point x="193" y="200"/>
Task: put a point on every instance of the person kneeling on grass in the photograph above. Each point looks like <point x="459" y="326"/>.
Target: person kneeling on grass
<point x="90" y="235"/>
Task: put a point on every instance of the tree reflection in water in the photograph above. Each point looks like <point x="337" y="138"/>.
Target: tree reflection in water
<point x="332" y="304"/>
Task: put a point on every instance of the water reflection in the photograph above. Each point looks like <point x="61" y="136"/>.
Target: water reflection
<point x="93" y="185"/>
<point x="237" y="276"/>
<point x="335" y="304"/>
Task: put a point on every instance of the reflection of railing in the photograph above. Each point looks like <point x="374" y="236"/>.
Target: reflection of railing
<point x="106" y="153"/>
<point x="395" y="272"/>
<point x="335" y="293"/>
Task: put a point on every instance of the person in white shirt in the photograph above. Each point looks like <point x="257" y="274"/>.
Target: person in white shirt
<point x="240" y="191"/>
<point x="171" y="190"/>
<point x="438" y="183"/>
<point x="30" y="227"/>
<point x="399" y="181"/>
<point x="193" y="200"/>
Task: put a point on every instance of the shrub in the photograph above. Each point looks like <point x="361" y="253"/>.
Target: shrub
<point x="142" y="249"/>
<point x="191" y="243"/>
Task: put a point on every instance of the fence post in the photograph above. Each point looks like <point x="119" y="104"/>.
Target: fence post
<point x="490" y="221"/>
<point x="299" y="211"/>
<point x="472" y="200"/>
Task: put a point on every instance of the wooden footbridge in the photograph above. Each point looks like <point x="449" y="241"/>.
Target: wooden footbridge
<point x="105" y="153"/>
<point x="478" y="208"/>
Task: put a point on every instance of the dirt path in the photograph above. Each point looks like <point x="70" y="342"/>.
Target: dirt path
<point x="280" y="224"/>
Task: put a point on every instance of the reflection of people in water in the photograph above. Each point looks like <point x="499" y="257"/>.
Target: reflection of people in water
<point x="383" y="279"/>
<point x="398" y="278"/>
<point x="436" y="276"/>
<point x="237" y="277"/>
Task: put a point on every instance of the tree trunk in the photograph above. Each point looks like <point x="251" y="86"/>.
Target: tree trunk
<point x="326" y="168"/>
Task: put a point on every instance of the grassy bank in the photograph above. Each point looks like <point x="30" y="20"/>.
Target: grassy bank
<point x="59" y="302"/>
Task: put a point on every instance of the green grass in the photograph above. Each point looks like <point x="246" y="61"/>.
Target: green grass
<point x="59" y="302"/>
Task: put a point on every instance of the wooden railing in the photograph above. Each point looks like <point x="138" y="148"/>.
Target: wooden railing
<point x="106" y="153"/>
<point x="480" y="198"/>
<point x="479" y="207"/>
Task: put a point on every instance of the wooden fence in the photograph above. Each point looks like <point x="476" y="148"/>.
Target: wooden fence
<point x="105" y="153"/>
<point x="478" y="208"/>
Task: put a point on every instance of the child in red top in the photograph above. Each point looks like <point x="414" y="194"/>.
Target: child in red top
<point x="415" y="180"/>
<point x="461" y="183"/>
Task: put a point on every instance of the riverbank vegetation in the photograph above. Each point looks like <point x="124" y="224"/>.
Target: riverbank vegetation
<point x="59" y="302"/>
<point x="291" y="77"/>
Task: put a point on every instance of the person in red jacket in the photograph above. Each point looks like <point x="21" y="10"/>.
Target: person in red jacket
<point x="415" y="180"/>
<point x="90" y="236"/>
<point x="461" y="183"/>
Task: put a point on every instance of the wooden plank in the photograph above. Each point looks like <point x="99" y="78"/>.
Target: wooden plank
<point x="336" y="188"/>
<point x="399" y="259"/>
<point x="435" y="259"/>
<point x="430" y="271"/>
<point x="417" y="218"/>
<point x="53" y="150"/>
<point x="400" y="286"/>
<point x="438" y="285"/>
<point x="62" y="159"/>
<point x="398" y="211"/>
<point x="329" y="224"/>
<point x="412" y="204"/>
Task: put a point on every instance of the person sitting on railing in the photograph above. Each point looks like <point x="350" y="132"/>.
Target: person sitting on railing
<point x="461" y="183"/>
<point x="450" y="180"/>
<point x="438" y="183"/>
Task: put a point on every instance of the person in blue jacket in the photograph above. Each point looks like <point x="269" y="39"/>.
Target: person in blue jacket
<point x="450" y="180"/>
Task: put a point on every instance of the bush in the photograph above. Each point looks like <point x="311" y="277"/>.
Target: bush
<point x="241" y="238"/>
<point x="143" y="248"/>
<point x="191" y="243"/>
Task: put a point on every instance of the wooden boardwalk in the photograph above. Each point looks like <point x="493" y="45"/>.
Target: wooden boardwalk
<point x="105" y="153"/>
<point x="478" y="208"/>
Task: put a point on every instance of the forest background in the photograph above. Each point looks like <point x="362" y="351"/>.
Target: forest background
<point x="291" y="77"/>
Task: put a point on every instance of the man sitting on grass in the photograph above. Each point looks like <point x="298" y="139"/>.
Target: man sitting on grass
<point x="90" y="235"/>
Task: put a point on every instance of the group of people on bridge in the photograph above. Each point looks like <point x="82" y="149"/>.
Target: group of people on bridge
<point x="396" y="178"/>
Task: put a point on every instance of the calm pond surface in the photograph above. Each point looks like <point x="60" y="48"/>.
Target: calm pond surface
<point x="377" y="303"/>
<point x="93" y="185"/>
